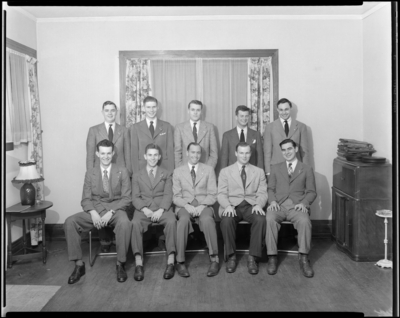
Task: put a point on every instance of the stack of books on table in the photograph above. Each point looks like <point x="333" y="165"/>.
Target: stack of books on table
<point x="354" y="150"/>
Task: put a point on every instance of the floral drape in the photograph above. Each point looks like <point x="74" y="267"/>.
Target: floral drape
<point x="137" y="88"/>
<point x="260" y="92"/>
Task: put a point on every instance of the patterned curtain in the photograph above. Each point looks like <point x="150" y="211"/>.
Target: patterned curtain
<point x="35" y="147"/>
<point x="260" y="93"/>
<point x="137" y="88"/>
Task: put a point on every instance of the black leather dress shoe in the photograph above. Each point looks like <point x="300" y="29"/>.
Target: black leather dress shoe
<point x="169" y="271"/>
<point x="182" y="270"/>
<point x="272" y="265"/>
<point x="231" y="265"/>
<point x="305" y="265"/>
<point x="213" y="269"/>
<point x="105" y="248"/>
<point x="78" y="272"/>
<point x="252" y="265"/>
<point x="121" y="274"/>
<point x="139" y="273"/>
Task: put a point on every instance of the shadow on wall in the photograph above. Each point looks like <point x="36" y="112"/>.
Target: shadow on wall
<point x="321" y="209"/>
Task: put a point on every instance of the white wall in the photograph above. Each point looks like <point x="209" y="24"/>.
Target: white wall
<point x="320" y="71"/>
<point x="377" y="99"/>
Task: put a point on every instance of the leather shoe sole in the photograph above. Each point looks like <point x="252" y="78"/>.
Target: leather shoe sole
<point x="121" y="274"/>
<point x="231" y="266"/>
<point x="139" y="273"/>
<point x="213" y="269"/>
<point x="182" y="270"/>
<point x="76" y="275"/>
<point x="169" y="271"/>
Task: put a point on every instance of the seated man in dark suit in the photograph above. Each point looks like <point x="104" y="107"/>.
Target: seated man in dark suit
<point x="106" y="195"/>
<point x="152" y="199"/>
<point x="242" y="195"/>
<point x="291" y="191"/>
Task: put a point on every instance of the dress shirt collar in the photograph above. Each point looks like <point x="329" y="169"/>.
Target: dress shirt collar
<point x="108" y="126"/>
<point x="196" y="167"/>
<point x="239" y="130"/>
<point x="240" y="166"/>
<point x="197" y="125"/>
<point x="294" y="164"/>
<point x="154" y="122"/>
<point x="108" y="171"/>
<point x="154" y="170"/>
<point x="289" y="121"/>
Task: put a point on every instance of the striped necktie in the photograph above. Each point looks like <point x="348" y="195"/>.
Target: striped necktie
<point x="105" y="182"/>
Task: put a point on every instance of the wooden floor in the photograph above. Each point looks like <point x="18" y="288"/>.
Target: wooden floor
<point x="339" y="284"/>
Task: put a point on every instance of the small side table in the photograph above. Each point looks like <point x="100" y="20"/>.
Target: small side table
<point x="32" y="212"/>
<point x="385" y="263"/>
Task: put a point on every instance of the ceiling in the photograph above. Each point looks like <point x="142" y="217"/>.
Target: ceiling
<point x="52" y="12"/>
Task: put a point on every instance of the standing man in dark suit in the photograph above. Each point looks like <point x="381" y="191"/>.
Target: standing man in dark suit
<point x="242" y="195"/>
<point x="118" y="135"/>
<point x="152" y="199"/>
<point x="198" y="131"/>
<point x="106" y="195"/>
<point x="195" y="191"/>
<point x="151" y="130"/>
<point x="282" y="128"/>
<point x="242" y="133"/>
<point x="291" y="191"/>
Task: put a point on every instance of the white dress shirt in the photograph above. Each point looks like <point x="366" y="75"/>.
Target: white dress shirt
<point x="244" y="132"/>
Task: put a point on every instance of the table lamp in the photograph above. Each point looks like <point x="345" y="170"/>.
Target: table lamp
<point x="27" y="175"/>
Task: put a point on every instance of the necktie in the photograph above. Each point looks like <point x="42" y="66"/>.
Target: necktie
<point x="290" y="170"/>
<point x="151" y="176"/>
<point x="286" y="128"/>
<point x="193" y="173"/>
<point x="105" y="182"/>
<point x="195" y="132"/>
<point x="110" y="133"/>
<point x="243" y="176"/>
<point x="242" y="136"/>
<point x="151" y="129"/>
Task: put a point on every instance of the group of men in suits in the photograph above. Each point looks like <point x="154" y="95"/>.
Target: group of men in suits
<point x="154" y="168"/>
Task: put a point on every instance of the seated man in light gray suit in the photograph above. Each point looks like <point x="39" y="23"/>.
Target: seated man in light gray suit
<point x="152" y="199"/>
<point x="118" y="135"/>
<point x="106" y="195"/>
<point x="291" y="191"/>
<point x="242" y="195"/>
<point x="195" y="191"/>
<point x="242" y="133"/>
<point x="198" y="131"/>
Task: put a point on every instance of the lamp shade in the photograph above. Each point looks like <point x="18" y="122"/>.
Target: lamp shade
<point x="27" y="173"/>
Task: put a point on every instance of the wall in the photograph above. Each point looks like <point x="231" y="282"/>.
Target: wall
<point x="377" y="99"/>
<point x="23" y="30"/>
<point x="320" y="71"/>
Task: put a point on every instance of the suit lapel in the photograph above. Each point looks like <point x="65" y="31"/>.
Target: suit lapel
<point x="145" y="178"/>
<point x="159" y="129"/>
<point x="143" y="127"/>
<point x="186" y="173"/>
<point x="117" y="133"/>
<point x="235" y="174"/>
<point x="293" y="128"/>
<point x="279" y="128"/>
<point x="250" y="175"/>
<point x="297" y="171"/>
<point x="251" y="136"/>
<point x="202" y="132"/>
<point x="98" y="177"/>
<point x="103" y="131"/>
<point x="158" y="177"/>
<point x="188" y="131"/>
<point x="199" y="174"/>
<point x="284" y="171"/>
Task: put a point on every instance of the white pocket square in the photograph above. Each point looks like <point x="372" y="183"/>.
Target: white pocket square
<point x="162" y="133"/>
<point x="254" y="141"/>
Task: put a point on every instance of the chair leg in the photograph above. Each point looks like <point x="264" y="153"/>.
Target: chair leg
<point x="91" y="261"/>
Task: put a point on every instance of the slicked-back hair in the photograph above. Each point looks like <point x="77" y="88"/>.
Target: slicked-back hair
<point x="192" y="144"/>
<point x="149" y="99"/>
<point x="282" y="101"/>
<point x="105" y="143"/>
<point x="243" y="144"/>
<point x="196" y="102"/>
<point x="152" y="146"/>
<point x="286" y="141"/>
<point x="109" y="103"/>
<point x="242" y="108"/>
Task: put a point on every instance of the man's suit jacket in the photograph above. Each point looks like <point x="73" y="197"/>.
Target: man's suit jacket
<point x="274" y="134"/>
<point x="229" y="141"/>
<point x="140" y="137"/>
<point x="204" y="190"/>
<point x="121" y="146"/>
<point x="152" y="196"/>
<point x="183" y="136"/>
<point x="231" y="191"/>
<point x="300" y="187"/>
<point x="94" y="197"/>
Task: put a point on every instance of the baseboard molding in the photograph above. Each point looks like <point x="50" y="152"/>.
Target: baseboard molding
<point x="320" y="229"/>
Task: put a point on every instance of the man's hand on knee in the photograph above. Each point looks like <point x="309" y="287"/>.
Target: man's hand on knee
<point x="191" y="209"/>
<point x="96" y="219"/>
<point x="106" y="218"/>
<point x="258" y="210"/>
<point x="274" y="206"/>
<point x="229" y="211"/>
<point x="301" y="207"/>
<point x="199" y="209"/>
